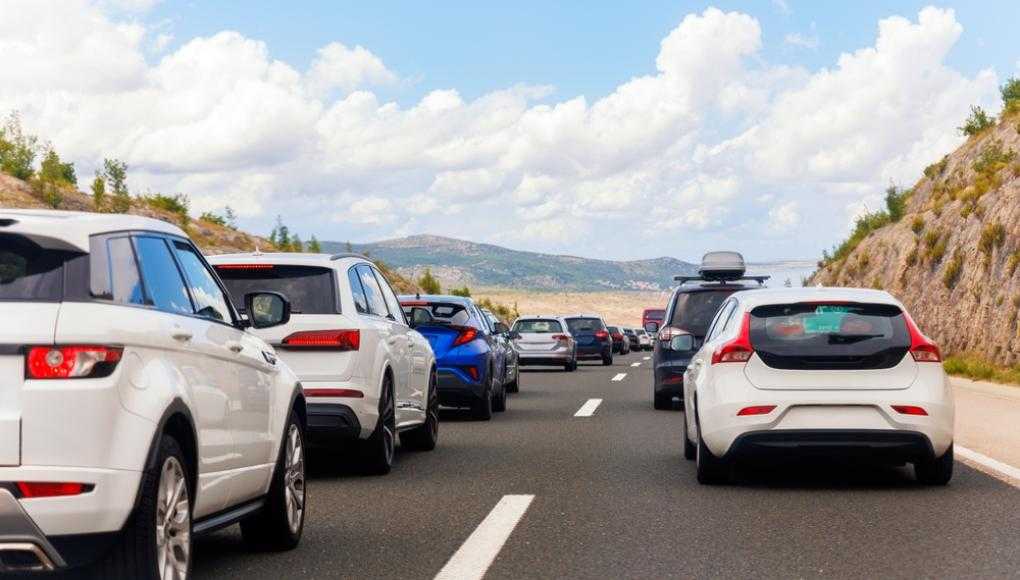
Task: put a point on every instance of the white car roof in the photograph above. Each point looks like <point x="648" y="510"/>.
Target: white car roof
<point x="753" y="298"/>
<point x="288" y="259"/>
<point x="75" y="227"/>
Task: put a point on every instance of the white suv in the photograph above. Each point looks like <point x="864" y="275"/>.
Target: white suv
<point x="817" y="372"/>
<point x="136" y="411"/>
<point x="366" y="374"/>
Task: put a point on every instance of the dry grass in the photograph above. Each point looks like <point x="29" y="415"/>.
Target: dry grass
<point x="617" y="308"/>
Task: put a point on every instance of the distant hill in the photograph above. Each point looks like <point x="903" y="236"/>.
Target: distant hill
<point x="458" y="262"/>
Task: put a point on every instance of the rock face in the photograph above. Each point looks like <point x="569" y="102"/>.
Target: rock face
<point x="953" y="257"/>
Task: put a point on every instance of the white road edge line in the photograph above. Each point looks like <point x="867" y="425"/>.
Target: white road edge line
<point x="474" y="557"/>
<point x="619" y="377"/>
<point x="588" y="408"/>
<point x="637" y="364"/>
<point x="1004" y="471"/>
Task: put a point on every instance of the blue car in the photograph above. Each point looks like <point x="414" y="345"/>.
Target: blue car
<point x="469" y="362"/>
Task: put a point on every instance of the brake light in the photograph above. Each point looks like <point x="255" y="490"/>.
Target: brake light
<point x="561" y="338"/>
<point x="324" y="339"/>
<point x="739" y="349"/>
<point x="244" y="266"/>
<point x="71" y="362"/>
<point x="666" y="333"/>
<point x="33" y="489"/>
<point x="910" y="410"/>
<point x="466" y="335"/>
<point x="673" y="380"/>
<point x="756" y="410"/>
<point x="473" y="371"/>
<point x="601" y="334"/>
<point x="333" y="392"/>
<point x="411" y="303"/>
<point x="921" y="347"/>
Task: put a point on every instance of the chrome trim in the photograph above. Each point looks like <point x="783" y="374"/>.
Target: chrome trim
<point x="45" y="564"/>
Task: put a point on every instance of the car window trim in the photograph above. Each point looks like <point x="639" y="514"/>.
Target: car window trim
<point x="383" y="282"/>
<point x="386" y="306"/>
<point x="188" y="283"/>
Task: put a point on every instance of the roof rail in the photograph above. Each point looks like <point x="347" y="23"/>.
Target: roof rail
<point x="685" y="279"/>
<point x="343" y="255"/>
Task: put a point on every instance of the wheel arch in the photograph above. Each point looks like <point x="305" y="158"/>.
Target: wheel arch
<point x="177" y="422"/>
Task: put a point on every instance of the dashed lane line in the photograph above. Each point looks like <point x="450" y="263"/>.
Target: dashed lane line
<point x="477" y="553"/>
<point x="646" y="358"/>
<point x="588" y="408"/>
<point x="637" y="364"/>
<point x="619" y="377"/>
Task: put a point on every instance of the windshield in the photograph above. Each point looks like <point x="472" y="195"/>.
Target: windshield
<point x="694" y="311"/>
<point x="310" y="289"/>
<point x="538" y="326"/>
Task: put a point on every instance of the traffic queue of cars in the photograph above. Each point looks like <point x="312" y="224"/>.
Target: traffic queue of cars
<point x="776" y="374"/>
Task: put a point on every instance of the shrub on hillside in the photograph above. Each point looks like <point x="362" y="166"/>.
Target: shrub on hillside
<point x="977" y="122"/>
<point x="917" y="225"/>
<point x="992" y="236"/>
<point x="177" y="204"/>
<point x="953" y="270"/>
<point x="114" y="173"/>
<point x="465" y="292"/>
<point x="1011" y="94"/>
<point x="98" y="193"/>
<point x="212" y="218"/>
<point x="429" y="284"/>
<point x="895" y="202"/>
<point x="936" y="169"/>
<point x="17" y="149"/>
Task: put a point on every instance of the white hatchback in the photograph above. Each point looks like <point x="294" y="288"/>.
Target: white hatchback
<point x="367" y="375"/>
<point x="137" y="410"/>
<point x="817" y="372"/>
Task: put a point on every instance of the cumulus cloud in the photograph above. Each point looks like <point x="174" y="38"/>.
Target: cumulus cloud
<point x="690" y="147"/>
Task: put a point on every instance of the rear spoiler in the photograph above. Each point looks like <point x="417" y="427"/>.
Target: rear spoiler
<point x="685" y="279"/>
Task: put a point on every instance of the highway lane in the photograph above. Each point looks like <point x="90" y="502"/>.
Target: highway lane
<point x="613" y="498"/>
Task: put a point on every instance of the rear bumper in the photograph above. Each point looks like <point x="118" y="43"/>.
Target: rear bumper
<point x="594" y="351"/>
<point x="23" y="546"/>
<point x="456" y="392"/>
<point x="331" y="423"/>
<point x="545" y="358"/>
<point x="877" y="445"/>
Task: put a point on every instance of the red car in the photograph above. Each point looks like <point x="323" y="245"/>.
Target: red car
<point x="655" y="315"/>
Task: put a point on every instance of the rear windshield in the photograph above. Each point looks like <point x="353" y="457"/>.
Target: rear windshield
<point x="655" y="314"/>
<point x="582" y="325"/>
<point x="538" y="326"/>
<point x="694" y="311"/>
<point x="444" y="312"/>
<point x="310" y="289"/>
<point x="30" y="272"/>
<point x="829" y="336"/>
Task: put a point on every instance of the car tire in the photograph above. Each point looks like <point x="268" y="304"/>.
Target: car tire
<point x="278" y="526"/>
<point x="690" y="451"/>
<point x="376" y="453"/>
<point x="663" y="403"/>
<point x="570" y="366"/>
<point x="138" y="552"/>
<point x="937" y="471"/>
<point x="482" y="409"/>
<point x="514" y="386"/>
<point x="607" y="359"/>
<point x="711" y="470"/>
<point x="425" y="436"/>
<point x="502" y="400"/>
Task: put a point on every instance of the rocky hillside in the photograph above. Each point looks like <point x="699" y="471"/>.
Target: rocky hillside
<point x="952" y="254"/>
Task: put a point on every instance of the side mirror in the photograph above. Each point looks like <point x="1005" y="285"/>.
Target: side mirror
<point x="502" y="328"/>
<point x="682" y="343"/>
<point x="267" y="309"/>
<point x="651" y="327"/>
<point x="420" y="317"/>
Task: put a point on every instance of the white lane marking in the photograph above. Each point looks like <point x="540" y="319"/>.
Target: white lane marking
<point x="637" y="364"/>
<point x="619" y="377"/>
<point x="646" y="358"/>
<point x="588" y="408"/>
<point x="478" y="552"/>
<point x="1005" y="471"/>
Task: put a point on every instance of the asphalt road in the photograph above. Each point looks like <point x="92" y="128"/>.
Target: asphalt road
<point x="613" y="498"/>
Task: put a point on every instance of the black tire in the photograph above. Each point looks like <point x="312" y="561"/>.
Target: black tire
<point x="711" y="469"/>
<point x="690" y="451"/>
<point x="278" y="526"/>
<point x="482" y="409"/>
<point x="425" y="436"/>
<point x="136" y="554"/>
<point x="936" y="471"/>
<point x="570" y="366"/>
<point x="607" y="360"/>
<point x="376" y="453"/>
<point x="514" y="386"/>
<point x="663" y="402"/>
<point x="501" y="401"/>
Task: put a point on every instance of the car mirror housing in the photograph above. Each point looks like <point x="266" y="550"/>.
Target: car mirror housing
<point x="682" y="343"/>
<point x="266" y="309"/>
<point x="652" y="327"/>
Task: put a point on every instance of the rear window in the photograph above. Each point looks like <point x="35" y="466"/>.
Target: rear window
<point x="444" y="312"/>
<point x="654" y="314"/>
<point x="829" y="336"/>
<point x="581" y="325"/>
<point x="538" y="326"/>
<point x="30" y="272"/>
<point x="694" y="311"/>
<point x="310" y="289"/>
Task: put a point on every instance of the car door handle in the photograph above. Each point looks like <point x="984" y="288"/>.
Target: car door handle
<point x="181" y="334"/>
<point x="234" y="346"/>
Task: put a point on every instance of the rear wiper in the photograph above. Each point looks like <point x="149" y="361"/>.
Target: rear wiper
<point x="851" y="338"/>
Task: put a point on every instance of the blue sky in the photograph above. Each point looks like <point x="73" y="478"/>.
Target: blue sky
<point x="763" y="126"/>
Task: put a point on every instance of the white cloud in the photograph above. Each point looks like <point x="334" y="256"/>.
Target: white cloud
<point x="690" y="147"/>
<point x="802" y="40"/>
<point x="782" y="5"/>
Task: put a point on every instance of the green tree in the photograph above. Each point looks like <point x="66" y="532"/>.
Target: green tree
<point x="428" y="283"/>
<point x="98" y="192"/>
<point x="978" y="121"/>
<point x="115" y="174"/>
<point x="280" y="236"/>
<point x="895" y="203"/>
<point x="314" y="246"/>
<point x="17" y="148"/>
<point x="296" y="245"/>
<point x="1010" y="92"/>
<point x="212" y="218"/>
<point x="465" y="292"/>
<point x="52" y="178"/>
<point x="230" y="217"/>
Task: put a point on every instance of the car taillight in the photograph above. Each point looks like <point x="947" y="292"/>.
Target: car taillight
<point x="33" y="489"/>
<point x="324" y="339"/>
<point x="739" y="349"/>
<point x="756" y="410"/>
<point x="666" y="333"/>
<point x="601" y="334"/>
<point x="465" y="335"/>
<point x="910" y="410"/>
<point x="921" y="347"/>
<point x="473" y="371"/>
<point x="561" y="338"/>
<point x="332" y="392"/>
<point x="71" y="362"/>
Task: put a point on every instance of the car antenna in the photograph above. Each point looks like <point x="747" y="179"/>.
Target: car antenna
<point x="417" y="295"/>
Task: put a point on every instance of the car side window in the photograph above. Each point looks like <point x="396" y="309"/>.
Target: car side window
<point x="357" y="291"/>
<point x="390" y="297"/>
<point x="125" y="282"/>
<point x="209" y="299"/>
<point x="373" y="293"/>
<point x="164" y="286"/>
<point x="719" y="321"/>
<point x="731" y="319"/>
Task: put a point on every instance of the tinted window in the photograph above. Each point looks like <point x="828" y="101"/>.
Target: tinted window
<point x="308" y="288"/>
<point x="390" y="297"/>
<point x="209" y="299"/>
<point x="655" y="314"/>
<point x="125" y="283"/>
<point x="163" y="284"/>
<point x="694" y="311"/>
<point x="360" y="301"/>
<point x="29" y="272"/>
<point x="373" y="293"/>
<point x="719" y="324"/>
<point x="584" y="325"/>
<point x="538" y="326"/>
<point x="829" y="336"/>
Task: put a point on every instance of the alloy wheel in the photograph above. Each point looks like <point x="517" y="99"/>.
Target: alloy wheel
<point x="173" y="522"/>
<point x="294" y="479"/>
